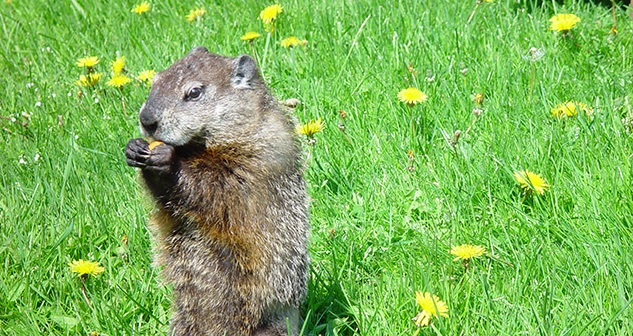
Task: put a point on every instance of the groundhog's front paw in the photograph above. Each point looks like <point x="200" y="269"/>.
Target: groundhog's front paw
<point x="137" y="152"/>
<point x="159" y="158"/>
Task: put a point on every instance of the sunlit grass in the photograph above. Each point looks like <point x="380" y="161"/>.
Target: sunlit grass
<point x="394" y="187"/>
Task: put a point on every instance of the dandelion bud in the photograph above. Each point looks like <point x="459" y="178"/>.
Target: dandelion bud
<point x="534" y="54"/>
<point x="477" y="111"/>
<point x="463" y="69"/>
<point x="429" y="76"/>
<point x="292" y="102"/>
<point x="412" y="70"/>
<point x="455" y="139"/>
<point x="479" y="98"/>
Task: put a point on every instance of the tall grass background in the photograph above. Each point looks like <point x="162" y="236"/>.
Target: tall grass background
<point x="382" y="221"/>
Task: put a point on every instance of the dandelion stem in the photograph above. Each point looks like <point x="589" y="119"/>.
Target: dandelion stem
<point x="123" y="101"/>
<point x="532" y="72"/>
<point x="266" y="46"/>
<point x="308" y="156"/>
<point x="351" y="48"/>
<point x="613" y="15"/>
<point x="83" y="291"/>
<point x="346" y="137"/>
<point x="253" y="50"/>
<point x="472" y="14"/>
<point x="412" y="126"/>
<point x="471" y="125"/>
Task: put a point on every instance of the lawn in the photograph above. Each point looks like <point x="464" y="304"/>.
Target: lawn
<point x="394" y="186"/>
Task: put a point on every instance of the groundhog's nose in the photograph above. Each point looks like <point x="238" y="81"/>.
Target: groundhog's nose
<point x="149" y="122"/>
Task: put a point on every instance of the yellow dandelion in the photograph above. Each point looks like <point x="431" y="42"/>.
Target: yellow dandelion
<point x="531" y="182"/>
<point x="141" y="8"/>
<point x="412" y="96"/>
<point x="563" y="22"/>
<point x="146" y="76"/>
<point x="118" y="80"/>
<point x="89" y="80"/>
<point x="478" y="98"/>
<point x="83" y="267"/>
<point x="195" y="14"/>
<point x="431" y="306"/>
<point x="269" y="14"/>
<point x="467" y="251"/>
<point x="250" y="36"/>
<point x="311" y="127"/>
<point x="570" y="109"/>
<point x="118" y="65"/>
<point x="292" y="41"/>
<point x="88" y="62"/>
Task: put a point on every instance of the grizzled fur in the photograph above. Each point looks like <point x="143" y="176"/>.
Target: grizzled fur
<point x="231" y="225"/>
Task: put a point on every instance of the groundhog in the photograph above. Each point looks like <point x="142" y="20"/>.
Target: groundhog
<point x="231" y="223"/>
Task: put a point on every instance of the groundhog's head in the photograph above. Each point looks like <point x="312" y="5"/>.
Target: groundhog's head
<point x="204" y="98"/>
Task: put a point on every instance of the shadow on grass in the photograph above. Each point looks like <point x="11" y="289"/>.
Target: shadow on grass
<point x="327" y="309"/>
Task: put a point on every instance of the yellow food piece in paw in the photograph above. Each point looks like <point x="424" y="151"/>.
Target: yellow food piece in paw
<point x="154" y="144"/>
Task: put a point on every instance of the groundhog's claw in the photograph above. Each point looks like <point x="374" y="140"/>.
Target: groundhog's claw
<point x="137" y="152"/>
<point x="159" y="159"/>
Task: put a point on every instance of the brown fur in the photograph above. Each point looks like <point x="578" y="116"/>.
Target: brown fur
<point x="231" y="224"/>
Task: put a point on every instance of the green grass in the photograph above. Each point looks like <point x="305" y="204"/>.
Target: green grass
<point x="557" y="264"/>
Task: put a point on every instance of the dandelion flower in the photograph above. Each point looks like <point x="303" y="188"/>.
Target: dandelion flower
<point x="292" y="41"/>
<point x="118" y="64"/>
<point x="311" y="127"/>
<point x="195" y="14"/>
<point x="88" y="62"/>
<point x="563" y="22"/>
<point x="146" y="75"/>
<point x="531" y="182"/>
<point x="570" y="109"/>
<point x="83" y="267"/>
<point x="431" y="306"/>
<point x="467" y="251"/>
<point x="118" y="80"/>
<point x="478" y="98"/>
<point x="412" y="96"/>
<point x="89" y="80"/>
<point x="269" y="14"/>
<point x="250" y="36"/>
<point x="141" y="8"/>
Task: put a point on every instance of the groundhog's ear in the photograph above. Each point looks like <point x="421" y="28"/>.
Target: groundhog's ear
<point x="199" y="49"/>
<point x="244" y="72"/>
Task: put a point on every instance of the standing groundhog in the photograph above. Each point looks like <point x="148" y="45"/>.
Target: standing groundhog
<point x="231" y="224"/>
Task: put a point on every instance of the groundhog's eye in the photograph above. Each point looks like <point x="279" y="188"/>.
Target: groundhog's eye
<point x="194" y="93"/>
